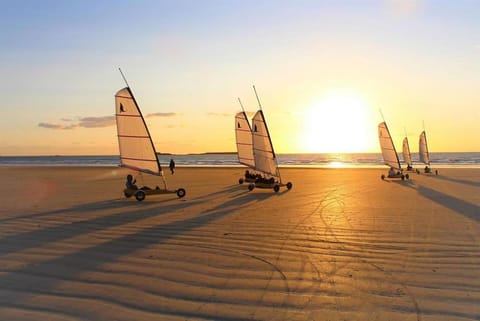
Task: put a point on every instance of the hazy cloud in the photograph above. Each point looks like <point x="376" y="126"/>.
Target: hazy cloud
<point x="56" y="126"/>
<point x="219" y="114"/>
<point x="162" y="115"/>
<point x="85" y="122"/>
<point x="94" y="122"/>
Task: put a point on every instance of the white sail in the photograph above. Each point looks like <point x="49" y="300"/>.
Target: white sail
<point x="265" y="159"/>
<point x="389" y="153"/>
<point x="136" y="147"/>
<point x="243" y="135"/>
<point x="407" y="158"/>
<point x="423" y="149"/>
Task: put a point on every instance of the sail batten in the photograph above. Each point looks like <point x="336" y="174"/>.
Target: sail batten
<point x="389" y="152"/>
<point x="136" y="147"/>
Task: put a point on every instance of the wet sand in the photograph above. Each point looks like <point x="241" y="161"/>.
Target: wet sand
<point x="341" y="245"/>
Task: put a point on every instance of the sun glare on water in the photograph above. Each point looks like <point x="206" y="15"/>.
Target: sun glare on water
<point x="339" y="122"/>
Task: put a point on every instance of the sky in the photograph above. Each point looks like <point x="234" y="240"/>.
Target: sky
<point x="325" y="72"/>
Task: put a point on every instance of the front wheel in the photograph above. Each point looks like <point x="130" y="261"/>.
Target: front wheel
<point x="181" y="192"/>
<point x="289" y="185"/>
<point x="407" y="176"/>
<point x="240" y="181"/>
<point x="276" y="188"/>
<point x="403" y="177"/>
<point x="382" y="177"/>
<point x="140" y="195"/>
<point x="251" y="186"/>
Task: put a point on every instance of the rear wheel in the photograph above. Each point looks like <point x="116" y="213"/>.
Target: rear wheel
<point x="289" y="185"/>
<point x="251" y="186"/>
<point x="240" y="181"/>
<point x="140" y="195"/>
<point x="407" y="176"/>
<point x="181" y="192"/>
<point x="403" y="177"/>
<point x="276" y="188"/>
<point x="382" y="177"/>
<point x="127" y="193"/>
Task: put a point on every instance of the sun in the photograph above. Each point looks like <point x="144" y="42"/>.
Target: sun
<point x="339" y="121"/>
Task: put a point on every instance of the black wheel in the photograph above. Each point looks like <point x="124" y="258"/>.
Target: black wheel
<point x="403" y="177"/>
<point x="127" y="193"/>
<point x="289" y="185"/>
<point x="251" y="186"/>
<point x="140" y="195"/>
<point x="407" y="176"/>
<point x="382" y="177"/>
<point x="181" y="192"/>
<point x="240" y="181"/>
<point x="276" y="188"/>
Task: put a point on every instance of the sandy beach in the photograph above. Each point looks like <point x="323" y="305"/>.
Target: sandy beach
<point x="341" y="245"/>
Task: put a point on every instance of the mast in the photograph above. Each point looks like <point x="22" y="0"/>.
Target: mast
<point x="256" y="95"/>
<point x="241" y="105"/>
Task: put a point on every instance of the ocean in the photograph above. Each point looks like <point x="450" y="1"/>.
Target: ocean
<point x="340" y="160"/>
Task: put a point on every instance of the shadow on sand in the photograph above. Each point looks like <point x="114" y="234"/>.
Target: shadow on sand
<point x="465" y="208"/>
<point x="457" y="180"/>
<point x="44" y="276"/>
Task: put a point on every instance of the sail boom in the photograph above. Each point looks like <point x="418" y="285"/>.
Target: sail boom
<point x="141" y="170"/>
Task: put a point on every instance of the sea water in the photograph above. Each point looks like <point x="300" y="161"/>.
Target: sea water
<point x="339" y="160"/>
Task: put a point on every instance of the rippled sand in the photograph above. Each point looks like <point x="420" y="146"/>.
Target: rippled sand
<point x="341" y="245"/>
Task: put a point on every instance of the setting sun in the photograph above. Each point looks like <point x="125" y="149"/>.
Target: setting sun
<point x="339" y="121"/>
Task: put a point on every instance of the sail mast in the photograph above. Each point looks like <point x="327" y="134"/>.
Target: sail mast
<point x="256" y="95"/>
<point x="241" y="105"/>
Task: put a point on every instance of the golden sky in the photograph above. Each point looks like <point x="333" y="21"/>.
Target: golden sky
<point x="323" y="70"/>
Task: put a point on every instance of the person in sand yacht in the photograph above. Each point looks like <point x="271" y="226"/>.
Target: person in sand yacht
<point x="130" y="184"/>
<point x="391" y="172"/>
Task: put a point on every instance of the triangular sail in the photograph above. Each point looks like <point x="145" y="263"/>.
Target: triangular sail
<point x="265" y="159"/>
<point x="389" y="153"/>
<point x="136" y="147"/>
<point x="423" y="149"/>
<point x="243" y="135"/>
<point x="407" y="158"/>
